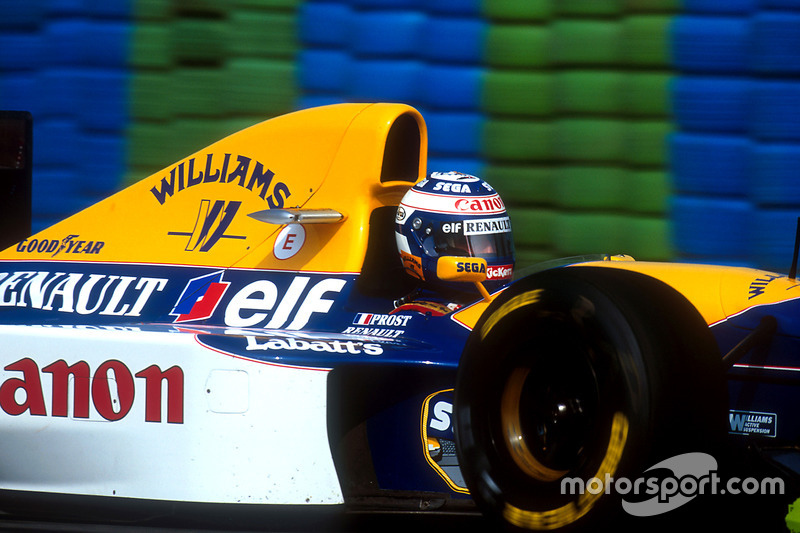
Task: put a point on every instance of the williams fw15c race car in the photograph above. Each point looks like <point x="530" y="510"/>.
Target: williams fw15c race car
<point x="235" y="332"/>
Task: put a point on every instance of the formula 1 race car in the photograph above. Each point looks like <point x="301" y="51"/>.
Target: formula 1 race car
<point x="224" y="333"/>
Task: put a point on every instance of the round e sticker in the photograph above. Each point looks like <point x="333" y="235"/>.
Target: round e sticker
<point x="289" y="241"/>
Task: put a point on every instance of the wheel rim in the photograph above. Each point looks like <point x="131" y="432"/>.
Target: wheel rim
<point x="548" y="411"/>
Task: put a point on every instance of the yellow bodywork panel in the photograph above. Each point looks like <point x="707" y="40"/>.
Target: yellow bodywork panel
<point x="195" y="212"/>
<point x="717" y="292"/>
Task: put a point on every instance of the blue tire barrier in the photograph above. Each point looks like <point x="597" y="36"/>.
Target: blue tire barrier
<point x="774" y="178"/>
<point x="773" y="237"/>
<point x="711" y="227"/>
<point x="103" y="100"/>
<point x="87" y="43"/>
<point x="454" y="133"/>
<point x="58" y="92"/>
<point x="743" y="7"/>
<point x="776" y="43"/>
<point x="386" y="33"/>
<point x="453" y="40"/>
<point x="780" y="4"/>
<point x="465" y="8"/>
<point x="467" y="165"/>
<point x="710" y="164"/>
<point x="21" y="91"/>
<point x="324" y="23"/>
<point x="324" y="69"/>
<point x="118" y="9"/>
<point x="21" y="51"/>
<point x="66" y="8"/>
<point x="307" y="101"/>
<point x="451" y="87"/>
<point x="711" y="104"/>
<point x="710" y="44"/>
<point x="388" y="4"/>
<point x="101" y="168"/>
<point x="385" y="80"/>
<point x="22" y="14"/>
<point x="54" y="194"/>
<point x="776" y="110"/>
<point x="56" y="143"/>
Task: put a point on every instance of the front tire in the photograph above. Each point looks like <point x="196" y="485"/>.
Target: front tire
<point x="578" y="375"/>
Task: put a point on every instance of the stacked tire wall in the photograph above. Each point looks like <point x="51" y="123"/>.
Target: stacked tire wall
<point x="563" y="106"/>
<point x="665" y="129"/>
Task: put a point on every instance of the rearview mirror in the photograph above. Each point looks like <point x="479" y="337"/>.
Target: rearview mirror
<point x="451" y="268"/>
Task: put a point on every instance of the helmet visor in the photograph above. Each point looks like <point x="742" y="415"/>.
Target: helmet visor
<point x="489" y="245"/>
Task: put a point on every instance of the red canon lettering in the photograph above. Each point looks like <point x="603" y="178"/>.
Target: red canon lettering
<point x="153" y="376"/>
<point x="61" y="373"/>
<point x="101" y="390"/>
<point x="30" y="383"/>
<point x="491" y="203"/>
<point x="111" y="390"/>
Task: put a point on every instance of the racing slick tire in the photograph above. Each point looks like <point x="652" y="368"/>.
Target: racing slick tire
<point x="576" y="376"/>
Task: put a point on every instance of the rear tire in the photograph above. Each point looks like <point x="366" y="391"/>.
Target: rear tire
<point x="580" y="373"/>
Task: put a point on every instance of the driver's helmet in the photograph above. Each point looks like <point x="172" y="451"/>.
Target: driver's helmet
<point x="454" y="214"/>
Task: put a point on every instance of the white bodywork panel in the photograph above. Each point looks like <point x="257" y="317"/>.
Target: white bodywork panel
<point x="221" y="429"/>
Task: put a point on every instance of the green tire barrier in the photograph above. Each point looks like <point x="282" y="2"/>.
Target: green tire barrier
<point x="199" y="89"/>
<point x="589" y="91"/>
<point x="193" y="134"/>
<point x="645" y="41"/>
<point x="646" y="142"/>
<point x="151" y="45"/>
<point x="647" y="238"/>
<point x="259" y="87"/>
<point x="653" y="6"/>
<point x="232" y="125"/>
<point x="511" y="92"/>
<point x="198" y="40"/>
<point x="518" y="11"/>
<point x="533" y="227"/>
<point x="150" y="96"/>
<point x="287" y="5"/>
<point x="518" y="46"/>
<point x="590" y="188"/>
<point x="152" y="9"/>
<point x="517" y="140"/>
<point x="522" y="185"/>
<point x="588" y="233"/>
<point x="647" y="191"/>
<point x="589" y="8"/>
<point x="589" y="140"/>
<point x="586" y="42"/>
<point x="151" y="145"/>
<point x="198" y="7"/>
<point x="252" y="33"/>
<point x="646" y="94"/>
<point x="527" y="257"/>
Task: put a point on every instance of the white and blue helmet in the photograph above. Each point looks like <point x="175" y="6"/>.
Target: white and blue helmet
<point x="454" y="214"/>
